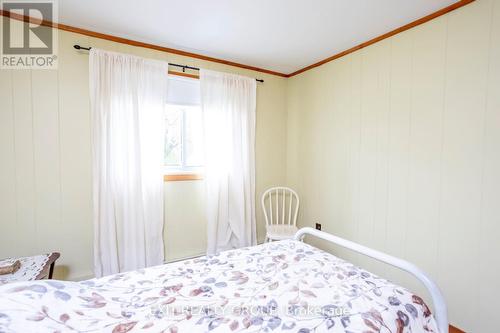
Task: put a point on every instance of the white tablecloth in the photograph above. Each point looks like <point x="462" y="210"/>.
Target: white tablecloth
<point x="32" y="268"/>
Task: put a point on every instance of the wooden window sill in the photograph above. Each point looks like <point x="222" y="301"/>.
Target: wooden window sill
<point x="182" y="177"/>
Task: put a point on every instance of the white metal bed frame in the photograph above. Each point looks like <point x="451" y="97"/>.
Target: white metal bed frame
<point x="440" y="312"/>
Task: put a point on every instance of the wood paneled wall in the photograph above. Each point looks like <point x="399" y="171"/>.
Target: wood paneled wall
<point x="397" y="146"/>
<point x="45" y="179"/>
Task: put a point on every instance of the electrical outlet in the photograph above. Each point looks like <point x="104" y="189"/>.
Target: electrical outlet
<point x="318" y="226"/>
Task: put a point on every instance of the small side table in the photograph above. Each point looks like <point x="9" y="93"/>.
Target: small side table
<point x="32" y="268"/>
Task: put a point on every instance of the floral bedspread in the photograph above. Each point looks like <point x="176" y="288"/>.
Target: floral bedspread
<point x="284" y="286"/>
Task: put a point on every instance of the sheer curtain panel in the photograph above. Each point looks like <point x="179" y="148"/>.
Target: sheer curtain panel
<point x="228" y="105"/>
<point x="127" y="115"/>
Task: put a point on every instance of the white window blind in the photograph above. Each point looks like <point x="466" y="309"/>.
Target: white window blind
<point x="183" y="91"/>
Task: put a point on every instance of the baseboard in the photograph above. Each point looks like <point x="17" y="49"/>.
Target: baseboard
<point x="183" y="258"/>
<point x="453" y="329"/>
<point x="81" y="278"/>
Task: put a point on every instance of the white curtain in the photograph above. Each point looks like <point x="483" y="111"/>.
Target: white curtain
<point x="127" y="113"/>
<point x="228" y="104"/>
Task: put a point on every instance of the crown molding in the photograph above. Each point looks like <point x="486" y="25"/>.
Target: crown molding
<point x="127" y="41"/>
<point x="405" y="27"/>
<point x="135" y="43"/>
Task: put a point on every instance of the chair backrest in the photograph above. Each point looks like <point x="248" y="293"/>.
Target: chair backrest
<point x="280" y="205"/>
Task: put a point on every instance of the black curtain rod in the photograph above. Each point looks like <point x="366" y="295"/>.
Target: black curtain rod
<point x="184" y="67"/>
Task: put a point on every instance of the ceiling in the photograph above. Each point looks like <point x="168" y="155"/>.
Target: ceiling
<point x="278" y="35"/>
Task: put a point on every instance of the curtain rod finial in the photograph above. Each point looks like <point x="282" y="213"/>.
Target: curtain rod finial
<point x="78" y="47"/>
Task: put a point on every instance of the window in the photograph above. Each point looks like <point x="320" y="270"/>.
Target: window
<point x="183" y="127"/>
<point x="183" y="138"/>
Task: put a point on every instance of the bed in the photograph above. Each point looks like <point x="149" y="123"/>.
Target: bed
<point x="286" y="286"/>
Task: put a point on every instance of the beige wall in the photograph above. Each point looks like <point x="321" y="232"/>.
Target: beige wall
<point x="185" y="232"/>
<point x="45" y="166"/>
<point x="397" y="146"/>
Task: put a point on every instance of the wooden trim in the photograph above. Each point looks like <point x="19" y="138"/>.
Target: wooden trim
<point x="181" y="177"/>
<point x="134" y="42"/>
<point x="90" y="33"/>
<point x="453" y="329"/>
<point x="405" y="27"/>
<point x="192" y="76"/>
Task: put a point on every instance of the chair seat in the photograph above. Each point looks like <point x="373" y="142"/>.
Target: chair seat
<point x="280" y="232"/>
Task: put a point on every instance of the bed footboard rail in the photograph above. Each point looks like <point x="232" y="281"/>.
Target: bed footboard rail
<point x="440" y="312"/>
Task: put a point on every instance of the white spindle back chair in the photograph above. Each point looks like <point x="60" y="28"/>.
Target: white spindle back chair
<point x="281" y="206"/>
